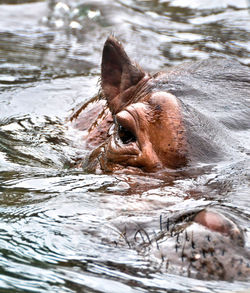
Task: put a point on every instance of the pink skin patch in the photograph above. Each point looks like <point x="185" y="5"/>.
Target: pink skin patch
<point x="217" y="222"/>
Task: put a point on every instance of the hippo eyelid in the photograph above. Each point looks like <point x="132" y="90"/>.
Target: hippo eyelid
<point x="127" y="122"/>
<point x="125" y="128"/>
<point x="136" y="117"/>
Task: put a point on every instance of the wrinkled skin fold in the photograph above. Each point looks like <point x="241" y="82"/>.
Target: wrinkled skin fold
<point x="146" y="123"/>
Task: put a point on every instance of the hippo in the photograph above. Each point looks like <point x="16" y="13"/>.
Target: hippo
<point x="199" y="243"/>
<point x="148" y="123"/>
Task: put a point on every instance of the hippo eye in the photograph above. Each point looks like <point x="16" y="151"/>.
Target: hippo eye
<point x="125" y="135"/>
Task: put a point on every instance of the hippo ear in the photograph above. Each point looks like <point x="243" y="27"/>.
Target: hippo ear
<point x="118" y="73"/>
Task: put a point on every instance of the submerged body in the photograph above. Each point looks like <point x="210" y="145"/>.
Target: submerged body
<point x="148" y="123"/>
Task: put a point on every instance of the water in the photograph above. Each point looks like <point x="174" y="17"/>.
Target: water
<point x="59" y="228"/>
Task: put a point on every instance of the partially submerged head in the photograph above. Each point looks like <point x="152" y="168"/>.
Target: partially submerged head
<point x="149" y="132"/>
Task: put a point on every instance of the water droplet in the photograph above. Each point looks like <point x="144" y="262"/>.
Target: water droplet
<point x="75" y="25"/>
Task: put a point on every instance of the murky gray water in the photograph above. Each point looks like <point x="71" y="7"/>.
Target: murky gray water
<point x="58" y="226"/>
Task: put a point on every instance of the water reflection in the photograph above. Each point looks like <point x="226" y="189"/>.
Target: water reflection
<point x="60" y="228"/>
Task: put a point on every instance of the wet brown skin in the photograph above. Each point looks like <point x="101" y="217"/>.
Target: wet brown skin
<point x="148" y="128"/>
<point x="137" y="124"/>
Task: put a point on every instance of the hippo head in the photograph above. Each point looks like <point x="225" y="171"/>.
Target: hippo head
<point x="148" y="130"/>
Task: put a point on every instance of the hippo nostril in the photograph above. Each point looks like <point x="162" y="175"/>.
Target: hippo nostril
<point x="125" y="135"/>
